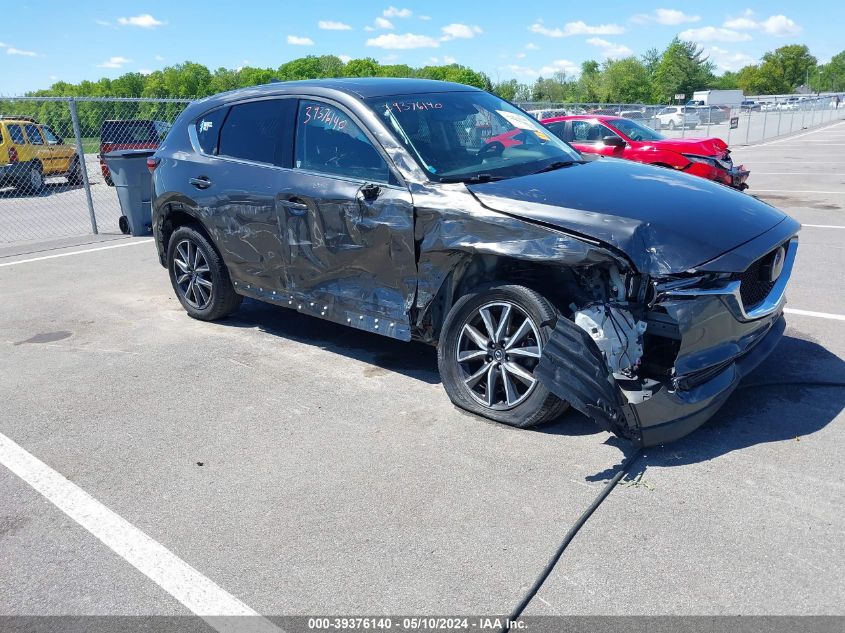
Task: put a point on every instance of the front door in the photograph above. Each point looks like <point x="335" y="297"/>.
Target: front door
<point x="60" y="154"/>
<point x="347" y="225"/>
<point x="586" y="136"/>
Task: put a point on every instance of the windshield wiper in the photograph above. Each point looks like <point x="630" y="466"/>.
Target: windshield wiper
<point x="559" y="164"/>
<point x="472" y="180"/>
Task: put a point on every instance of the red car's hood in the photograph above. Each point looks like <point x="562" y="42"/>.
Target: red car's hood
<point x="700" y="146"/>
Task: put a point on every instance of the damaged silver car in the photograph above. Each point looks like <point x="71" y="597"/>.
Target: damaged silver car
<point x="432" y="211"/>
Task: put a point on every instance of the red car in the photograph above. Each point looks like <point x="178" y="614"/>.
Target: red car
<point x="129" y="134"/>
<point x="624" y="138"/>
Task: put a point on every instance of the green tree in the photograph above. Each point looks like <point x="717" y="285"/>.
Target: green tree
<point x="832" y="75"/>
<point x="786" y="68"/>
<point x="624" y="81"/>
<point x="683" y="68"/>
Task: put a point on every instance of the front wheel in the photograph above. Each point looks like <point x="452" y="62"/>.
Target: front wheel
<point x="490" y="344"/>
<point x="74" y="176"/>
<point x="199" y="276"/>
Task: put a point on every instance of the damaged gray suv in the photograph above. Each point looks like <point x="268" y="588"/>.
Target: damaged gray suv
<point x="432" y="211"/>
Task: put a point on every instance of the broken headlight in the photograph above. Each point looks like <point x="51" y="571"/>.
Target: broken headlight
<point x="710" y="160"/>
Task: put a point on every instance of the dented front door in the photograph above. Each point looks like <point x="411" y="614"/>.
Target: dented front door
<point x="346" y="225"/>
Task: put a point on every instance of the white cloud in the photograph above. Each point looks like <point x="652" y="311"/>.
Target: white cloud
<point x="401" y="42"/>
<point x="11" y="50"/>
<point x="609" y="49"/>
<point x="531" y="46"/>
<point x="778" y="25"/>
<point x="145" y="71"/>
<point x="345" y="58"/>
<point x="145" y="21"/>
<point x="159" y="58"/>
<point x="424" y="17"/>
<point x="560" y="65"/>
<point x="393" y="12"/>
<point x="520" y="55"/>
<point x="296" y="40"/>
<point x="714" y="34"/>
<point x="331" y="25"/>
<point x="115" y="62"/>
<point x="523" y="71"/>
<point x="102" y="22"/>
<point x="2" y="45"/>
<point x="448" y="59"/>
<point x="727" y="60"/>
<point x="382" y="23"/>
<point x="462" y="31"/>
<point x="669" y="17"/>
<point x="576" y="28"/>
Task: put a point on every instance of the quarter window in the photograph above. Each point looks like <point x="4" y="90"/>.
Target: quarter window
<point x="34" y="135"/>
<point x="328" y="141"/>
<point x="208" y="129"/>
<point x="259" y="131"/>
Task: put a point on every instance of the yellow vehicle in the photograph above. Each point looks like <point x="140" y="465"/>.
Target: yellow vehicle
<point x="30" y="151"/>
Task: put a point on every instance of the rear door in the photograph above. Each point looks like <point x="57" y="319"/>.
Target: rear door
<point x="245" y="151"/>
<point x="39" y="148"/>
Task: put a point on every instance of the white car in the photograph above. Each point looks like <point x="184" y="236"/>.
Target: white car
<point x="673" y="117"/>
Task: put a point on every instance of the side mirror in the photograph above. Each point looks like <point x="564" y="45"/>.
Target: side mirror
<point x="614" y="141"/>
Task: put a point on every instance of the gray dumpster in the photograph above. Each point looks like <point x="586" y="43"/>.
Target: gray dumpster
<point x="134" y="187"/>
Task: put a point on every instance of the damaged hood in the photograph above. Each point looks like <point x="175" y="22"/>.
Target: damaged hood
<point x="666" y="222"/>
<point x="700" y="146"/>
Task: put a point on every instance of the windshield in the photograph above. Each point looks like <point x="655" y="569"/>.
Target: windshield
<point x="637" y="131"/>
<point x="462" y="135"/>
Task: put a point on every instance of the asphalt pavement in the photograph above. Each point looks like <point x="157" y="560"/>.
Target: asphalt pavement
<point x="306" y="468"/>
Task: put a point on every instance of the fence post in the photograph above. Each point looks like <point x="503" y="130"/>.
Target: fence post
<point x="77" y="132"/>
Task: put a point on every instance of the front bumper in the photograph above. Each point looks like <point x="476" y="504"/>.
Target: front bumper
<point x="719" y="342"/>
<point x="734" y="177"/>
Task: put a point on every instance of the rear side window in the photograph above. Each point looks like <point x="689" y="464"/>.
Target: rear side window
<point x="208" y="129"/>
<point x="260" y="131"/>
<point x="34" y="135"/>
<point x="16" y="134"/>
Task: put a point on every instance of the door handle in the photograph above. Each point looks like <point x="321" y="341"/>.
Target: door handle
<point x="296" y="206"/>
<point x="200" y="183"/>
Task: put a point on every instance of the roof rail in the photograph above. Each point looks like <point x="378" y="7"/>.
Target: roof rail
<point x="14" y="117"/>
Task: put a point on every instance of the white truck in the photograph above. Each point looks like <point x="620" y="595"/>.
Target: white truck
<point x="729" y="98"/>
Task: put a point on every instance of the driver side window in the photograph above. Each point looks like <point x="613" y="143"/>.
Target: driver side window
<point x="330" y="142"/>
<point x="589" y="132"/>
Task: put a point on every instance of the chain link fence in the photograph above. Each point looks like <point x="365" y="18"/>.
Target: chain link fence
<point x="53" y="183"/>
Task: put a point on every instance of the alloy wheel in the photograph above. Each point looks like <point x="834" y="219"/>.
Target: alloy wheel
<point x="36" y="179"/>
<point x="498" y="348"/>
<point x="192" y="274"/>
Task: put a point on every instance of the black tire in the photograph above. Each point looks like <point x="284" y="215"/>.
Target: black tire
<point x="222" y="300"/>
<point x="74" y="176"/>
<point x="539" y="405"/>
<point x="33" y="183"/>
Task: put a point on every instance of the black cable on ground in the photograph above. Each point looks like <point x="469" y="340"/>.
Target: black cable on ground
<point x="626" y="466"/>
<point x="568" y="539"/>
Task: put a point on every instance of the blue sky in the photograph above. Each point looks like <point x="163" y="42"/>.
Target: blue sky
<point x="44" y="42"/>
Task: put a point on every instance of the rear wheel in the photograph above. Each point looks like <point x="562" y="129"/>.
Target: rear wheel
<point x="199" y="276"/>
<point x="491" y="343"/>
<point x="34" y="183"/>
